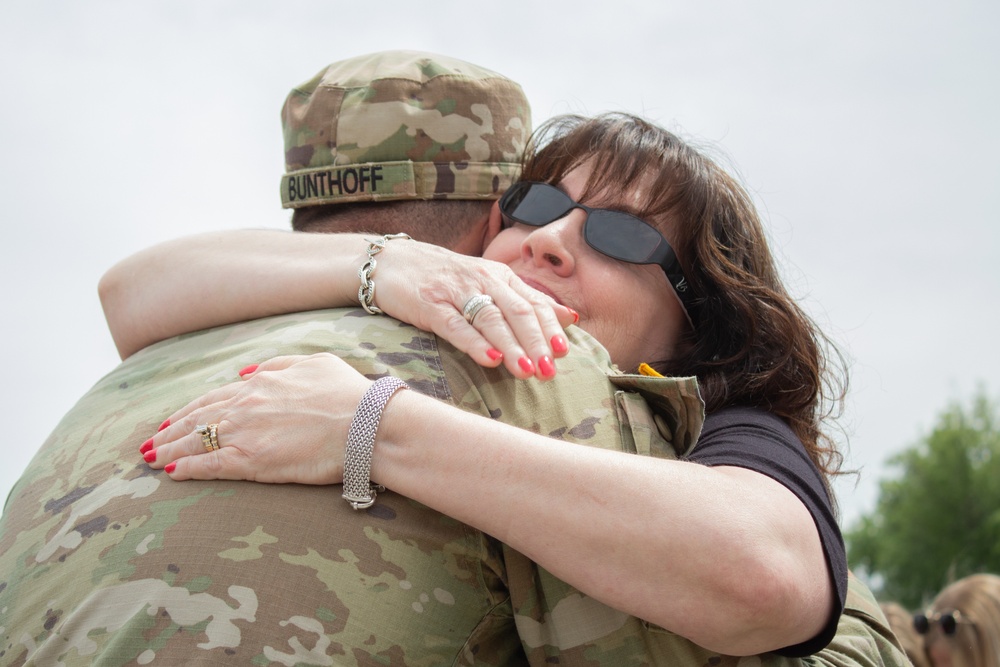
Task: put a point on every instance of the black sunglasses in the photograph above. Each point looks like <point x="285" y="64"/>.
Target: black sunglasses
<point x="616" y="234"/>
<point x="949" y="621"/>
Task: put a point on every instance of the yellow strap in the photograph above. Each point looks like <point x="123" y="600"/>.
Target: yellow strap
<point x="649" y="371"/>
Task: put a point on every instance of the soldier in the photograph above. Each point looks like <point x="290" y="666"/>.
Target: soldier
<point x="105" y="561"/>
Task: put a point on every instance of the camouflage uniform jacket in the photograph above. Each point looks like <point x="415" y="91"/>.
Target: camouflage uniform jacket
<point x="104" y="561"/>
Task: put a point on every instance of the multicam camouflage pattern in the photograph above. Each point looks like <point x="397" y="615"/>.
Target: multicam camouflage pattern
<point x="402" y="125"/>
<point x="104" y="561"/>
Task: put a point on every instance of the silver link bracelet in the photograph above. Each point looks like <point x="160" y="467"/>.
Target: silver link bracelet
<point x="366" y="293"/>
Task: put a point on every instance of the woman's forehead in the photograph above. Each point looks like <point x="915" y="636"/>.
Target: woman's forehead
<point x="585" y="184"/>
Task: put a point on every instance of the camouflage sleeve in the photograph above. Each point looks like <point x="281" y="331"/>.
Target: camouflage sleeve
<point x="864" y="638"/>
<point x="559" y="624"/>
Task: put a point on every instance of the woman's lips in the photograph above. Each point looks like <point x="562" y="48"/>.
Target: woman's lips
<point x="541" y="288"/>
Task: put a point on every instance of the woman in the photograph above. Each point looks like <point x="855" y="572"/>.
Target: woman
<point x="726" y="549"/>
<point x="962" y="627"/>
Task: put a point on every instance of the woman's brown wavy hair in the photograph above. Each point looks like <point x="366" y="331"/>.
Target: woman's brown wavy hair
<point x="751" y="345"/>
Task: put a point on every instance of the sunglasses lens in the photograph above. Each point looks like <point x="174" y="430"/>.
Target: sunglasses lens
<point x="622" y="236"/>
<point x="948" y="624"/>
<point x="921" y="624"/>
<point x="536" y="203"/>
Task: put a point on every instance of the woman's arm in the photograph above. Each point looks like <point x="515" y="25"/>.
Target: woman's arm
<point x="723" y="556"/>
<point x="218" y="278"/>
<point x="202" y="281"/>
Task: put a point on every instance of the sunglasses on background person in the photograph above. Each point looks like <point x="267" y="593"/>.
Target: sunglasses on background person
<point x="948" y="620"/>
<point x="615" y="234"/>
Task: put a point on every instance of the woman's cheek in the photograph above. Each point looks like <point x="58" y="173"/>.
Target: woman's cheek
<point x="505" y="246"/>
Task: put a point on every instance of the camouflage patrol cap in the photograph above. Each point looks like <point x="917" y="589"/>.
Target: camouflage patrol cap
<point x="402" y="125"/>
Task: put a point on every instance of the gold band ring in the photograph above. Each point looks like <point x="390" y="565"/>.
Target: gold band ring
<point x="209" y="436"/>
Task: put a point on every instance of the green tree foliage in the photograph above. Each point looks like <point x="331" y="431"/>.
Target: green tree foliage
<point x="939" y="519"/>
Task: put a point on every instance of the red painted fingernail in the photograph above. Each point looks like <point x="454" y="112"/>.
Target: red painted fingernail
<point x="170" y="467"/>
<point x="249" y="369"/>
<point x="559" y="345"/>
<point x="576" y="315"/>
<point x="146" y="446"/>
<point x="150" y="456"/>
<point x="494" y="354"/>
<point x="547" y="367"/>
<point x="526" y="365"/>
<point x="165" y="424"/>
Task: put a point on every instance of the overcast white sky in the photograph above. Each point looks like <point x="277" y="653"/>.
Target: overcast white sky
<point x="867" y="130"/>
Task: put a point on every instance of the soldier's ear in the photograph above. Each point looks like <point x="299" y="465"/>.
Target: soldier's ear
<point x="494" y="225"/>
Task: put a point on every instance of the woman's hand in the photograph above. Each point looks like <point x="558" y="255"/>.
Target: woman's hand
<point x="218" y="278"/>
<point x="428" y="286"/>
<point x="286" y="421"/>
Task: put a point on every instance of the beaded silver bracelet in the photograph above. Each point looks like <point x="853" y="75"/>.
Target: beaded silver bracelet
<point x="366" y="293"/>
<point x="359" y="491"/>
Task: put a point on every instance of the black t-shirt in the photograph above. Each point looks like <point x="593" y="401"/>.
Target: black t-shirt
<point x="757" y="440"/>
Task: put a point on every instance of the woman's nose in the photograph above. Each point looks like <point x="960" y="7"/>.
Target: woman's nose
<point x="555" y="244"/>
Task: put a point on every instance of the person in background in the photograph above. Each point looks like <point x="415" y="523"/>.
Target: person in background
<point x="962" y="626"/>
